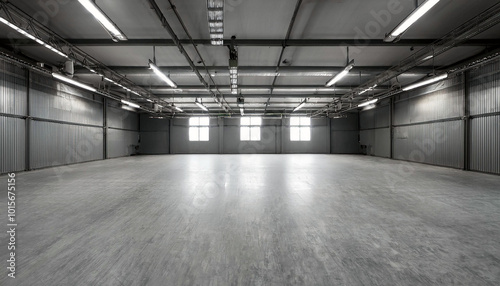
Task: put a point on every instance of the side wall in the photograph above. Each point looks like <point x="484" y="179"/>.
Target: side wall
<point x="453" y="123"/>
<point x="45" y="123"/>
<point x="162" y="136"/>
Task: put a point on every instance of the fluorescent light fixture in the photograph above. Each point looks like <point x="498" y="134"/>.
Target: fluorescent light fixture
<point x="30" y="36"/>
<point x="73" y="82"/>
<point x="149" y="100"/>
<point x="426" y="82"/>
<point x="161" y="75"/>
<point x="216" y="21"/>
<point x="177" y="108"/>
<point x="366" y="103"/>
<point x="104" y="20"/>
<point x="410" y="20"/>
<point x="340" y="75"/>
<point x="200" y="105"/>
<point x="300" y="105"/>
<point x="131" y="104"/>
<point x="368" y="89"/>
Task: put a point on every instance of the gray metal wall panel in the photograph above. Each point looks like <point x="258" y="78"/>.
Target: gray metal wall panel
<point x="439" y="101"/>
<point x="345" y="142"/>
<point x="151" y="124"/>
<point x="13" y="90"/>
<point x="267" y="145"/>
<point x="350" y="123"/>
<point x="12" y="144"/>
<point x="122" y="119"/>
<point x="154" y="142"/>
<point x="375" y="118"/>
<point x="179" y="140"/>
<point x="121" y="143"/>
<point x="53" y="144"/>
<point x="319" y="144"/>
<point x="485" y="144"/>
<point x="485" y="89"/>
<point x="377" y="141"/>
<point x="54" y="100"/>
<point x="439" y="143"/>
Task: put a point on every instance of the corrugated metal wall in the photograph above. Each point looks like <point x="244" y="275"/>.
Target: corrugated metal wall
<point x="485" y="144"/>
<point x="12" y="89"/>
<point x="375" y="131"/>
<point x="344" y="134"/>
<point x="65" y="126"/>
<point x="438" y="143"/>
<point x="13" y="106"/>
<point x="57" y="101"/>
<point x="54" y="144"/>
<point x="154" y="135"/>
<point x="428" y="124"/>
<point x="485" y="122"/>
<point x="123" y="131"/>
<point x="121" y="143"/>
<point x="12" y="144"/>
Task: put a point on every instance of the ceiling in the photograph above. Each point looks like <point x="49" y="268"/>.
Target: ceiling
<point x="275" y="72"/>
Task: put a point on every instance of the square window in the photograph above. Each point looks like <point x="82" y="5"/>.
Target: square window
<point x="300" y="129"/>
<point x="199" y="128"/>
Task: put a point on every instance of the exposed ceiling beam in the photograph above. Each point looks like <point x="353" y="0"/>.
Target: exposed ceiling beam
<point x="263" y="96"/>
<point x="258" y="70"/>
<point x="264" y="42"/>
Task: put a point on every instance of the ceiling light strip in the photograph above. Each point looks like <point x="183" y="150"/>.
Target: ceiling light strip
<point x="410" y="20"/>
<point x="340" y="75"/>
<point x="104" y="20"/>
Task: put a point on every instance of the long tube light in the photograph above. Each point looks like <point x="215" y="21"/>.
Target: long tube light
<point x="177" y="108"/>
<point x="340" y="75"/>
<point x="73" y="82"/>
<point x="366" y="103"/>
<point x="426" y="82"/>
<point x="30" y="36"/>
<point x="300" y="105"/>
<point x="200" y="105"/>
<point x="131" y="104"/>
<point x="104" y="20"/>
<point x="410" y="20"/>
<point x="161" y="75"/>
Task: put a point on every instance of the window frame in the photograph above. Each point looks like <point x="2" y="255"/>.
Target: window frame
<point x="297" y="129"/>
<point x="200" y="128"/>
<point x="250" y="125"/>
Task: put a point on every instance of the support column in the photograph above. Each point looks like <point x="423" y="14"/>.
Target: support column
<point x="27" y="137"/>
<point x="467" y="136"/>
<point x="105" y="128"/>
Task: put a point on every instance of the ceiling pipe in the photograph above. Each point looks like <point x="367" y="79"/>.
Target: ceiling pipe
<point x="268" y="42"/>
<point x="466" y="31"/>
<point x="287" y="37"/>
<point x="183" y="51"/>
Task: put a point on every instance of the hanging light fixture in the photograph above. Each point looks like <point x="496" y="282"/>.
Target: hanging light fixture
<point x="410" y="20"/>
<point x="426" y="82"/>
<point x="340" y="75"/>
<point x="104" y="20"/>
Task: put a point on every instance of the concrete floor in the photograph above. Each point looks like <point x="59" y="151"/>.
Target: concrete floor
<point x="255" y="220"/>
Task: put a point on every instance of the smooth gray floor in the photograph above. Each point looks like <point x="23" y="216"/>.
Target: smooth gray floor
<point x="255" y="220"/>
